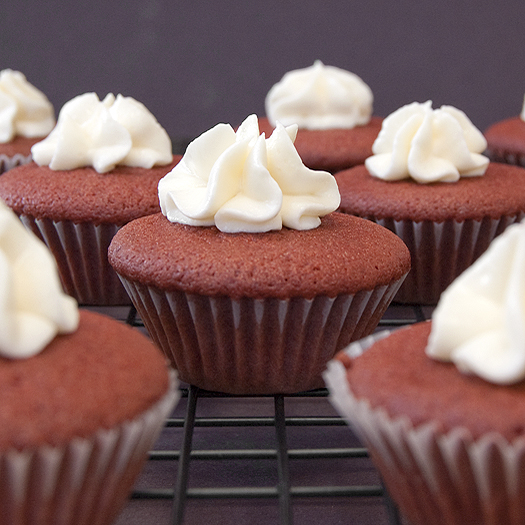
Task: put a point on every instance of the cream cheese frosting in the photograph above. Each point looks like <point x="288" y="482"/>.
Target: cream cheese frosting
<point x="427" y="145"/>
<point x="24" y="110"/>
<point x="243" y="181"/>
<point x="320" y="97"/>
<point x="33" y="307"/>
<point x="103" y="134"/>
<point x="479" y="322"/>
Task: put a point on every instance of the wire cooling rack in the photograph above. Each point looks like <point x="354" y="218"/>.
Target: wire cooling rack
<point x="283" y="459"/>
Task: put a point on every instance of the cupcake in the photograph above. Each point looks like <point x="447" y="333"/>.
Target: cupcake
<point x="84" y="396"/>
<point x="247" y="280"/>
<point x="26" y="117"/>
<point x="97" y="170"/>
<point x="333" y="109"/>
<point x="441" y="404"/>
<point x="506" y="140"/>
<point x="429" y="183"/>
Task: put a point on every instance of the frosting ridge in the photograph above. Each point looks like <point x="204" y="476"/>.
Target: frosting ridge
<point x="241" y="181"/>
<point x="319" y="97"/>
<point x="103" y="134"/>
<point x="427" y="145"/>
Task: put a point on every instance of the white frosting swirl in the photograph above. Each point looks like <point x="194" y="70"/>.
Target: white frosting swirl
<point x="24" y="109"/>
<point x="479" y="322"/>
<point x="33" y="307"/>
<point x="427" y="145"/>
<point x="241" y="181"/>
<point x="102" y="134"/>
<point x="320" y="97"/>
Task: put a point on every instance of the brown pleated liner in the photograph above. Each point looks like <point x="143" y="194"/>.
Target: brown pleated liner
<point x="81" y="253"/>
<point x="7" y="162"/>
<point x="255" y="346"/>
<point x="506" y="157"/>
<point x="440" y="252"/>
<point x="435" y="478"/>
<point x="85" y="482"/>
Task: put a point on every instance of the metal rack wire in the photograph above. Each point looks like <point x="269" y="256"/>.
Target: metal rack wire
<point x="282" y="492"/>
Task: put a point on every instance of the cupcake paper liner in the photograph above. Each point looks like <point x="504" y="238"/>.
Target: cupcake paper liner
<point x="435" y="478"/>
<point x="442" y="251"/>
<point x="255" y="346"/>
<point x="80" y="250"/>
<point x="7" y="162"/>
<point x="85" y="482"/>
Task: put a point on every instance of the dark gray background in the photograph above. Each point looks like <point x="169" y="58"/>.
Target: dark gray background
<point x="195" y="63"/>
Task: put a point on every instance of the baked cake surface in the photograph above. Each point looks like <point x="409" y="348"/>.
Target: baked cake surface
<point x="499" y="192"/>
<point x="506" y="136"/>
<point x="83" y="194"/>
<point x="332" y="149"/>
<point x="103" y="374"/>
<point x="19" y="144"/>
<point x="343" y="255"/>
<point x="397" y="375"/>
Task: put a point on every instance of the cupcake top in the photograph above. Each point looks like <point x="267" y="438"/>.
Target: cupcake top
<point x="479" y="322"/>
<point x="24" y="110"/>
<point x="243" y="217"/>
<point x="320" y="97"/>
<point x="103" y="134"/>
<point x="243" y="181"/>
<point x="427" y="145"/>
<point x="34" y="309"/>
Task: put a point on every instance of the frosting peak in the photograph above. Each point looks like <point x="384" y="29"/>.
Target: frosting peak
<point x="24" y="109"/>
<point x="103" y="134"/>
<point x="241" y="181"/>
<point x="33" y="307"/>
<point x="479" y="322"/>
<point x="428" y="145"/>
<point x="319" y="97"/>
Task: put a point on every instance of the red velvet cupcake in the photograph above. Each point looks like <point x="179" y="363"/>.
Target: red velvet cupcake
<point x="443" y="198"/>
<point x="253" y="291"/>
<point x="84" y="396"/>
<point x="441" y="404"/>
<point x="77" y="201"/>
